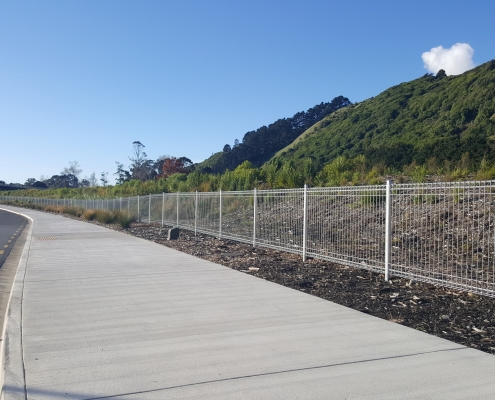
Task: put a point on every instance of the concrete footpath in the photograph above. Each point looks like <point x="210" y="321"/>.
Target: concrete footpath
<point x="98" y="314"/>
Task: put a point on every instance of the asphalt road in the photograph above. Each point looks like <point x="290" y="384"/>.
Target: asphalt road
<point x="11" y="226"/>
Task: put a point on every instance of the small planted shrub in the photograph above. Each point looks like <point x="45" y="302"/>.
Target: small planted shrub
<point x="104" y="216"/>
<point x="125" y="220"/>
<point x="89" y="215"/>
<point x="74" y="211"/>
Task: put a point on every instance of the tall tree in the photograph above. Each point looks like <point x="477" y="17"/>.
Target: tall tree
<point x="173" y="165"/>
<point x="104" y="178"/>
<point x="122" y="174"/>
<point x="141" y="168"/>
<point x="62" y="181"/>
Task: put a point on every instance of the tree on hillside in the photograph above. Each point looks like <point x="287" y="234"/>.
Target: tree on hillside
<point x="260" y="145"/>
<point x="441" y="73"/>
<point x="173" y="165"/>
<point x="62" y="181"/>
<point x="157" y="166"/>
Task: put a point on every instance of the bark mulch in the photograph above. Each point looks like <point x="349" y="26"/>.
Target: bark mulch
<point x="461" y="317"/>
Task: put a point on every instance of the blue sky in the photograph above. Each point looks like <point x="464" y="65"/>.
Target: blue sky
<point x="82" y="80"/>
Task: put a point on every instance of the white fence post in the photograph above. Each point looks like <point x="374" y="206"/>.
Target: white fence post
<point x="220" y="216"/>
<point x="177" y="209"/>
<point x="255" y="201"/>
<point x="138" y="211"/>
<point x="305" y="221"/>
<point x="163" y="206"/>
<point x="149" y="211"/>
<point x="387" y="230"/>
<point x="196" y="215"/>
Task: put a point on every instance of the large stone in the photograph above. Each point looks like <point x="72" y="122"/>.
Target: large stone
<point x="173" y="234"/>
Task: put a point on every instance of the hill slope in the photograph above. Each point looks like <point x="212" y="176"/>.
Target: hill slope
<point x="260" y="145"/>
<point x="431" y="118"/>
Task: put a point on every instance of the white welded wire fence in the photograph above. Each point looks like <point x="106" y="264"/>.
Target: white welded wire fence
<point x="442" y="233"/>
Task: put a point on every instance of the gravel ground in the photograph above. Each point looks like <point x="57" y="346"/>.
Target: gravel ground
<point x="461" y="317"/>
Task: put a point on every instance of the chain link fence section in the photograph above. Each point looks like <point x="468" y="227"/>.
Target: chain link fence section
<point x="441" y="233"/>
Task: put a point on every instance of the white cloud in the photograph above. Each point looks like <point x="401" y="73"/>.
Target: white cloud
<point x="454" y="61"/>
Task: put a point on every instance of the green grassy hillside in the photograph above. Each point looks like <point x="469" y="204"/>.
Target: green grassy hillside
<point x="433" y="119"/>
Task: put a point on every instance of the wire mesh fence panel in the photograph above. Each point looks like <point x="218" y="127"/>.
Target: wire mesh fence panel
<point x="208" y="213"/>
<point x="144" y="202"/>
<point x="238" y="215"/>
<point x="170" y="209"/>
<point x="155" y="209"/>
<point x="347" y="225"/>
<point x="280" y="219"/>
<point x="124" y="204"/>
<point x="187" y="203"/>
<point x="444" y="234"/>
<point x="132" y="206"/>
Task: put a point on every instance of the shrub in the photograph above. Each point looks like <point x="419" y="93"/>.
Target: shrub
<point x="74" y="211"/>
<point x="103" y="216"/>
<point x="89" y="215"/>
<point x="125" y="220"/>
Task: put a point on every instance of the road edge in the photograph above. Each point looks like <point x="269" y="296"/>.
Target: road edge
<point x="16" y="262"/>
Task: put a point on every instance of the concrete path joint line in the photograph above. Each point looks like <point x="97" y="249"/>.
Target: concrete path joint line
<point x="274" y="373"/>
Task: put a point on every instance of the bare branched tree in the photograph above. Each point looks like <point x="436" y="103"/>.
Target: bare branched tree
<point x="73" y="169"/>
<point x="92" y="180"/>
<point x="141" y="168"/>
